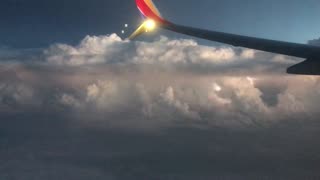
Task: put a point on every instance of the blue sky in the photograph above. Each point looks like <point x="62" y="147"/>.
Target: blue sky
<point x="36" y="23"/>
<point x="292" y="20"/>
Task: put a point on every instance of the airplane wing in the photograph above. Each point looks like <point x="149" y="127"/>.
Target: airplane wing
<point x="312" y="53"/>
<point x="311" y="66"/>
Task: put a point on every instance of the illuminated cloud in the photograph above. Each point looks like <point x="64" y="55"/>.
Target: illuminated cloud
<point x="166" y="80"/>
<point x="176" y="54"/>
<point x="86" y="111"/>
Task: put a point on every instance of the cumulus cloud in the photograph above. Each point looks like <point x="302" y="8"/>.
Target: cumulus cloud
<point x="170" y="100"/>
<point x="115" y="109"/>
<point x="176" y="54"/>
<point x="168" y="81"/>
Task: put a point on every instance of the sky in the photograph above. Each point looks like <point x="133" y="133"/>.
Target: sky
<point x="78" y="101"/>
<point x="37" y="23"/>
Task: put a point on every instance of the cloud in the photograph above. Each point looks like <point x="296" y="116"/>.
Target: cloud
<point x="15" y="94"/>
<point x="169" y="98"/>
<point x="175" y="54"/>
<point x="315" y="42"/>
<point x="166" y="80"/>
<point x="110" y="108"/>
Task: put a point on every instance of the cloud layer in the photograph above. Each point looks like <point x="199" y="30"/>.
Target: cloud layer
<point x="175" y="95"/>
<point x="165" y="80"/>
<point x="177" y="54"/>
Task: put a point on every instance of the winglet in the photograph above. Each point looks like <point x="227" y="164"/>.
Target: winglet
<point x="149" y="10"/>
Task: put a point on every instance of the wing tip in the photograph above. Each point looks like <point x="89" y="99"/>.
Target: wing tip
<point x="311" y="66"/>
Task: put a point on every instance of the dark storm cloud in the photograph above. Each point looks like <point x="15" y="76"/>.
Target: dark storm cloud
<point x="169" y="109"/>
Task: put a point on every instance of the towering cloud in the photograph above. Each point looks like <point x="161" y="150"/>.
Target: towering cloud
<point x="153" y="109"/>
<point x="164" y="79"/>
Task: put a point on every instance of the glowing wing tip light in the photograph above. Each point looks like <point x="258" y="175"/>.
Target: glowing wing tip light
<point x="147" y="26"/>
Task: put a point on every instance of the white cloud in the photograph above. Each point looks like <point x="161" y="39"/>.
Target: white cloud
<point x="160" y="83"/>
<point x="170" y="99"/>
<point x="91" y="50"/>
<point x="175" y="54"/>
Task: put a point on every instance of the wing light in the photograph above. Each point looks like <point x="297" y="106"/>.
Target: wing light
<point x="150" y="25"/>
<point x="147" y="26"/>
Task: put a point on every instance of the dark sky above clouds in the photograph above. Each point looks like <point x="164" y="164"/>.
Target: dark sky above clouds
<point x="78" y="104"/>
<point x="38" y="23"/>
